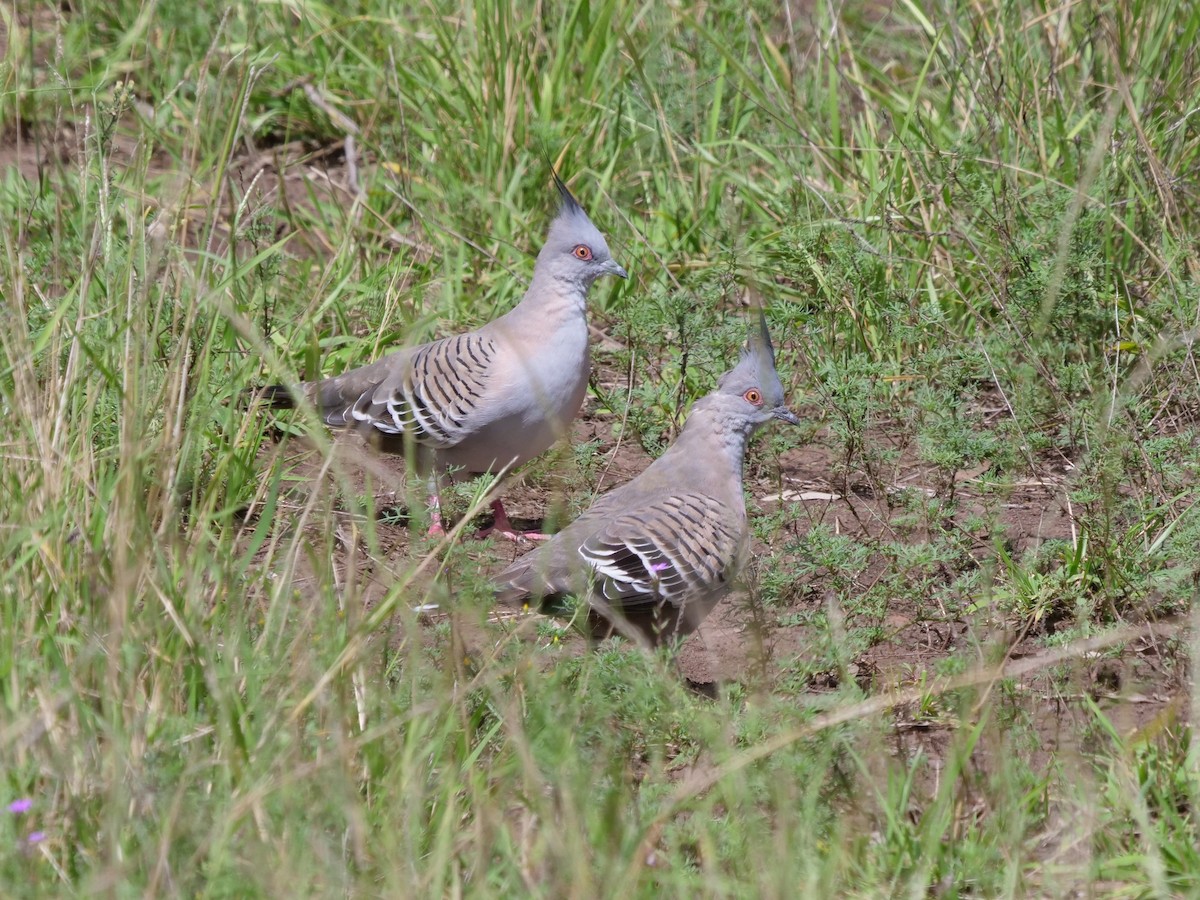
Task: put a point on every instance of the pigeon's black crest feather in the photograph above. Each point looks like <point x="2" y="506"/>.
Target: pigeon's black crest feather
<point x="568" y="199"/>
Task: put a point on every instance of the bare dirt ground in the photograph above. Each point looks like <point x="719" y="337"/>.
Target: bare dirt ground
<point x="741" y="642"/>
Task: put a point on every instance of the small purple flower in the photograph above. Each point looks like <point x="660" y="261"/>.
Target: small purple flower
<point x="20" y="806"/>
<point x="36" y="837"/>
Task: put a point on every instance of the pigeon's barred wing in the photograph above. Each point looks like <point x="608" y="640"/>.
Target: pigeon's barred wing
<point x="655" y="556"/>
<point x="434" y="398"/>
<point x="680" y="547"/>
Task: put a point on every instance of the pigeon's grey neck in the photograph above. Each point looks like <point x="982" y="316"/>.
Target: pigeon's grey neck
<point x="723" y="435"/>
<point x="550" y="291"/>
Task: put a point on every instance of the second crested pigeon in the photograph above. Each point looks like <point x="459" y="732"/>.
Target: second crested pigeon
<point x="654" y="556"/>
<point x="489" y="399"/>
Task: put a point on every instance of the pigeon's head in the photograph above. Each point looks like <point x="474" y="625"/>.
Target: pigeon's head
<point x="752" y="389"/>
<point x="575" y="250"/>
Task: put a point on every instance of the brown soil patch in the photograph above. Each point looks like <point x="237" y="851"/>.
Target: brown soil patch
<point x="742" y="642"/>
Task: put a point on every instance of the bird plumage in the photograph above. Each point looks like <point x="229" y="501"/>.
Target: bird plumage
<point x="654" y="556"/>
<point x="490" y="399"/>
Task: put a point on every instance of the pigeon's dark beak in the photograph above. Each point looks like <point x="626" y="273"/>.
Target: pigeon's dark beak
<point x="611" y="268"/>
<point x="787" y="415"/>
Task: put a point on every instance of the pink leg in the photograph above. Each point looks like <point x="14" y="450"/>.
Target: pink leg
<point x="435" y="516"/>
<point x="501" y="527"/>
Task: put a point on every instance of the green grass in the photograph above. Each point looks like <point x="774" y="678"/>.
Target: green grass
<point x="975" y="227"/>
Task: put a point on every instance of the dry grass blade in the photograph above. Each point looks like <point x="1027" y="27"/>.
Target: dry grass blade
<point x="986" y="676"/>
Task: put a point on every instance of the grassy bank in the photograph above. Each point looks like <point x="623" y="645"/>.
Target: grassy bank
<point x="964" y="664"/>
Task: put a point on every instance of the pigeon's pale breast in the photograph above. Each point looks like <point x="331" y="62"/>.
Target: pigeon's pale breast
<point x="533" y="395"/>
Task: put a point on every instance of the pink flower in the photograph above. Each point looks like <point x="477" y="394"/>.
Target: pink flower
<point x="20" y="806"/>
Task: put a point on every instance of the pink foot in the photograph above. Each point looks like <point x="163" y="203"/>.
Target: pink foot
<point x="501" y="527"/>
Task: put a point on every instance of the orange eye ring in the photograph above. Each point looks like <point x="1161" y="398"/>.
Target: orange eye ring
<point x="583" y="251"/>
<point x="754" y="396"/>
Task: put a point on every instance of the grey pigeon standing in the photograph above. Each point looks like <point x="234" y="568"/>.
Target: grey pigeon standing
<point x="654" y="556"/>
<point x="487" y="400"/>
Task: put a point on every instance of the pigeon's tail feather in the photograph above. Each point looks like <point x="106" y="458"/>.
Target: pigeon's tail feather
<point x="274" y="396"/>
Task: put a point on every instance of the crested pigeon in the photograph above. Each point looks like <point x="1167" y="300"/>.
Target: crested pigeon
<point x="654" y="556"/>
<point x="490" y="399"/>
